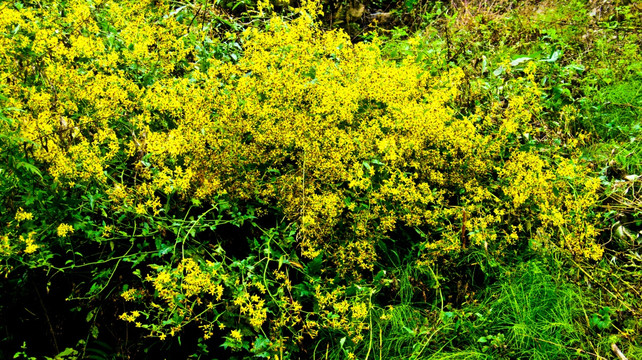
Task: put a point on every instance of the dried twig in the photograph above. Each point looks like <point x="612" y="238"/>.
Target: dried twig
<point x="617" y="352"/>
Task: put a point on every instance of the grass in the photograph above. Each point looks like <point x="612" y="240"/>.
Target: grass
<point x="541" y="318"/>
<point x="532" y="312"/>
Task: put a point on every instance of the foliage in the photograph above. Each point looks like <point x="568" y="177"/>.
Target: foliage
<point x="239" y="176"/>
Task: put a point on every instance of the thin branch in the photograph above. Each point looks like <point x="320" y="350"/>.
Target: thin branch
<point x="617" y="352"/>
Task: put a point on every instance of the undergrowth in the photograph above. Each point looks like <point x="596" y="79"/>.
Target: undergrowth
<point x="337" y="180"/>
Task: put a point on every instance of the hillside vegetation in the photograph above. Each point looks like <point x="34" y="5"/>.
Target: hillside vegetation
<point x="320" y="180"/>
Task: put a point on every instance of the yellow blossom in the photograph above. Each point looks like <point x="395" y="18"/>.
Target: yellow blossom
<point x="64" y="230"/>
<point x="236" y="335"/>
<point x="22" y="215"/>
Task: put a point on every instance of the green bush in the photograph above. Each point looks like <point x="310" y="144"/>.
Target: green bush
<point x="274" y="189"/>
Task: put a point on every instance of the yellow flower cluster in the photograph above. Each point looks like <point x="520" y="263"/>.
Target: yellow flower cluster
<point x="130" y="295"/>
<point x="29" y="242"/>
<point x="236" y="335"/>
<point x="130" y="317"/>
<point x="5" y="245"/>
<point x="329" y="132"/>
<point x="64" y="230"/>
<point x="26" y="244"/>
<point x="188" y="290"/>
<point x="560" y="197"/>
<point x="22" y="215"/>
<point x="343" y="313"/>
<point x="308" y="121"/>
<point x="253" y="307"/>
<point x="190" y="280"/>
<point x="346" y="144"/>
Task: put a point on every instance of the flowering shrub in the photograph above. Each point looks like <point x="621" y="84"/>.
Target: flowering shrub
<point x="124" y="110"/>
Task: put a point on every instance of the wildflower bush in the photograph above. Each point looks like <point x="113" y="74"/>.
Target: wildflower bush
<point x="261" y="188"/>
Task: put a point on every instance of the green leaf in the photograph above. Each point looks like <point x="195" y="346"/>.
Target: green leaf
<point x="518" y="61"/>
<point x="314" y="267"/>
<point x="553" y="57"/>
<point x="90" y="315"/>
<point x="261" y="345"/>
<point x="578" y="68"/>
<point x="30" y="167"/>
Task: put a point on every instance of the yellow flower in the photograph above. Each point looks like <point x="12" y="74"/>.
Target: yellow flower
<point x="129" y="295"/>
<point x="359" y="310"/>
<point x="140" y="209"/>
<point x="22" y="215"/>
<point x="5" y="246"/>
<point x="236" y="335"/>
<point x="31" y="248"/>
<point x="64" y="230"/>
